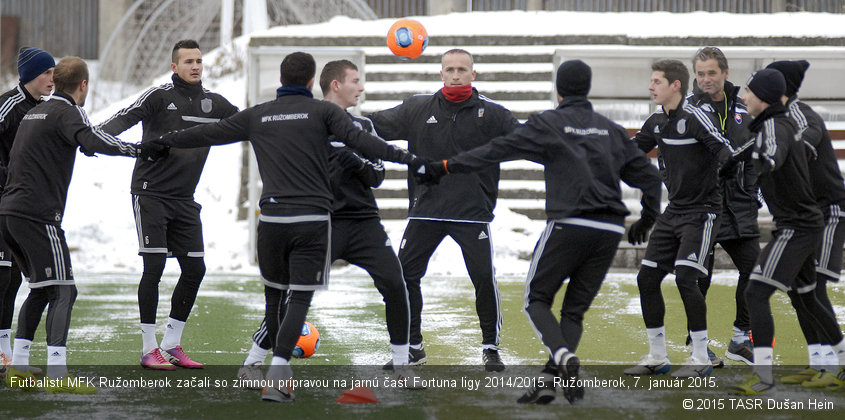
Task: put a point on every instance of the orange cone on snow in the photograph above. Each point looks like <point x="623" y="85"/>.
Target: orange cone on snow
<point x="357" y="395"/>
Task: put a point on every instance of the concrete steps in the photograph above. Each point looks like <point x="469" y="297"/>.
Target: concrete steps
<point x="515" y="71"/>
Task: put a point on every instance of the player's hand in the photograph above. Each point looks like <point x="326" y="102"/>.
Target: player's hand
<point x="728" y="169"/>
<point x="152" y="151"/>
<point x="427" y="172"/>
<point x="347" y="159"/>
<point x="638" y="232"/>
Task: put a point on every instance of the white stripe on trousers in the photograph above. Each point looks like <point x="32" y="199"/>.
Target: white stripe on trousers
<point x="495" y="285"/>
<point x="706" y="243"/>
<point x="532" y="271"/>
<point x="136" y="205"/>
<point x="827" y="236"/>
<point x="777" y="250"/>
<point x="58" y="254"/>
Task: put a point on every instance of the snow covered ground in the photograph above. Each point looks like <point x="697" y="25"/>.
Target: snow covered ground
<point x="99" y="222"/>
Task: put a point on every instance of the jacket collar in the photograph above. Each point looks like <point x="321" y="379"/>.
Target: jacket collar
<point x="773" y="111"/>
<point x="27" y="96"/>
<point x="472" y="99"/>
<point x="63" y="96"/>
<point x="286" y="90"/>
<point x="575" y="101"/>
<point x="188" y="89"/>
<point x="673" y="113"/>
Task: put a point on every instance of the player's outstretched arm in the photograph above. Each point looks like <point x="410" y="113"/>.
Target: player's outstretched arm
<point x="229" y="130"/>
<point x="127" y="117"/>
<point x="525" y="142"/>
<point x="370" y="146"/>
<point x="76" y="130"/>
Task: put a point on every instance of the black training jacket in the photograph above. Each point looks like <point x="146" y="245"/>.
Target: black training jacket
<point x="585" y="155"/>
<point x="784" y="178"/>
<point x="43" y="154"/>
<point x="353" y="178"/>
<point x="437" y="128"/>
<point x="739" y="189"/>
<point x="171" y="106"/>
<point x="14" y="104"/>
<point x="825" y="177"/>
<point x="690" y="152"/>
<point x="290" y="137"/>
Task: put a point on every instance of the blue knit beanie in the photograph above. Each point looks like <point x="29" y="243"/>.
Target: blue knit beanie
<point x="32" y="62"/>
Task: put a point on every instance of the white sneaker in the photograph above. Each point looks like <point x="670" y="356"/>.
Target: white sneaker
<point x="649" y="365"/>
<point x="410" y="378"/>
<point x="251" y="376"/>
<point x="280" y="393"/>
<point x="693" y="368"/>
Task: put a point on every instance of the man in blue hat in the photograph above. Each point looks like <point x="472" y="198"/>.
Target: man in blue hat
<point x="35" y="68"/>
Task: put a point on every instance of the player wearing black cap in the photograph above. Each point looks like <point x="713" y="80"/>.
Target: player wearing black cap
<point x="829" y="191"/>
<point x="585" y="156"/>
<point x="787" y="262"/>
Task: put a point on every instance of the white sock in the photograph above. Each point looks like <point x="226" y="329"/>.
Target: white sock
<point x="657" y="342"/>
<point x="829" y="359"/>
<point x="400" y="354"/>
<point x="279" y="369"/>
<point x="56" y="362"/>
<point x="839" y="350"/>
<point x="558" y="356"/>
<point x="489" y="347"/>
<point x="416" y="346"/>
<point x="21" y="353"/>
<point x="148" y="336"/>
<point x="739" y="336"/>
<point x="699" y="345"/>
<point x="172" y="334"/>
<point x="763" y="358"/>
<point x="256" y="355"/>
<point x="6" y="343"/>
<point x="814" y="352"/>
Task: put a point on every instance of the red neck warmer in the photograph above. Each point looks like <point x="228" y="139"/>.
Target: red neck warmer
<point x="457" y="93"/>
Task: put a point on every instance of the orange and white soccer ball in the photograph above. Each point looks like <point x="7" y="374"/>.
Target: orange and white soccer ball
<point x="407" y="38"/>
<point x="309" y="341"/>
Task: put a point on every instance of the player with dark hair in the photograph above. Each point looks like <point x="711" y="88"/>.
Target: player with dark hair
<point x="739" y="234"/>
<point x="585" y="156"/>
<point x="690" y="152"/>
<point x="35" y="68"/>
<point x="290" y="136"/>
<point x="166" y="216"/>
<point x="439" y="126"/>
<point x="32" y="209"/>
<point x="357" y="234"/>
<point x="829" y="191"/>
<point x="787" y="263"/>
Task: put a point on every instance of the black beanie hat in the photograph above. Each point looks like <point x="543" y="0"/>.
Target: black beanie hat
<point x="768" y="85"/>
<point x="793" y="72"/>
<point x="573" y="78"/>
